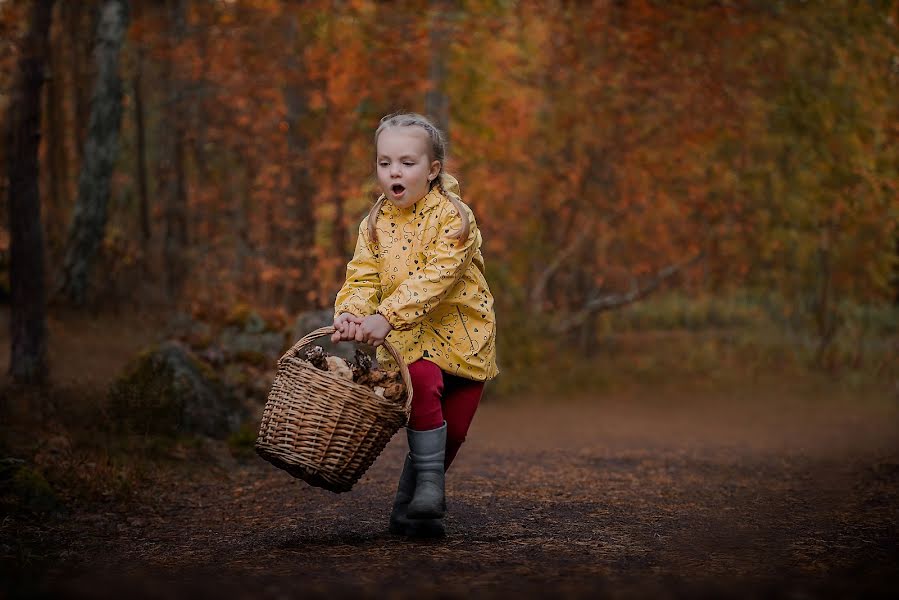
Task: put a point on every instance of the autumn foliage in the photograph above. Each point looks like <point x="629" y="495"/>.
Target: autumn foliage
<point x="751" y="144"/>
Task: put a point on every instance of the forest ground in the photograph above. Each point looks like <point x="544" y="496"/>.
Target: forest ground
<point x="767" y="487"/>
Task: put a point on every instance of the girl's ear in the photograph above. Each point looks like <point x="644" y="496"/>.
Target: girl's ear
<point x="435" y="170"/>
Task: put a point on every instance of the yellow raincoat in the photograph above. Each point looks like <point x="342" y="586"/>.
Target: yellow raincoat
<point x="429" y="287"/>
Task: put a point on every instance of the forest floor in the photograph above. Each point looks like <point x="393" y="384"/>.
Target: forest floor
<point x="766" y="489"/>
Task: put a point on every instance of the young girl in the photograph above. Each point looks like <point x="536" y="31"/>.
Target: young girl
<point x="417" y="280"/>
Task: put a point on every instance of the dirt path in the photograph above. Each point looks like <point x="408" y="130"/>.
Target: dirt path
<point x="666" y="496"/>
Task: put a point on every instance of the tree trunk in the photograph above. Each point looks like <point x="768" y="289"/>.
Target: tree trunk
<point x="896" y="274"/>
<point x="298" y="234"/>
<point x="436" y="100"/>
<point x="824" y="315"/>
<point x="340" y="236"/>
<point x="245" y="252"/>
<point x="176" y="236"/>
<point x="171" y="169"/>
<point x="79" y="17"/>
<point x="140" y="128"/>
<point x="57" y="162"/>
<point x="28" y="319"/>
<point x="100" y="152"/>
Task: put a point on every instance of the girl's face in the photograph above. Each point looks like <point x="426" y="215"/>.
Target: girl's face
<point x="405" y="168"/>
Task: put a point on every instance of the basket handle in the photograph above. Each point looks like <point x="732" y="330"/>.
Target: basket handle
<point x="328" y="330"/>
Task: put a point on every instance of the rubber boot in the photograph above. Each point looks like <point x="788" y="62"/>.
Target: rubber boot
<point x="427" y="450"/>
<point x="400" y="524"/>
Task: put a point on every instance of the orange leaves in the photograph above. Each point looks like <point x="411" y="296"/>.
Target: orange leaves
<point x="645" y="123"/>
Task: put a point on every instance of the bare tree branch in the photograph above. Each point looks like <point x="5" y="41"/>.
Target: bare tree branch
<point x="610" y="301"/>
<point x="538" y="292"/>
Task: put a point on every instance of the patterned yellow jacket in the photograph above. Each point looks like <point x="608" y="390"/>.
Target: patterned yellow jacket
<point x="429" y="287"/>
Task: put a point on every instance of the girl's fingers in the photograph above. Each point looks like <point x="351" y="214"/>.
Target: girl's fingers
<point x="348" y="328"/>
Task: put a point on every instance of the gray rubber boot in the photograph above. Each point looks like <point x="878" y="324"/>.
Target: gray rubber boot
<point x="399" y="523"/>
<point x="427" y="450"/>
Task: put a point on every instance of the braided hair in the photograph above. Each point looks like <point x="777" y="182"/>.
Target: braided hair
<point x="444" y="181"/>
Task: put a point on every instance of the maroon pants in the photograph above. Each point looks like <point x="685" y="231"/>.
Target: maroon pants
<point x="437" y="397"/>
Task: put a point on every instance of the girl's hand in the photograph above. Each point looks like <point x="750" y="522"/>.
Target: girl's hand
<point x="373" y="329"/>
<point x="346" y="325"/>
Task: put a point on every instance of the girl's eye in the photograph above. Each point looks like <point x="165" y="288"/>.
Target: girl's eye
<point x="408" y="164"/>
<point x="383" y="164"/>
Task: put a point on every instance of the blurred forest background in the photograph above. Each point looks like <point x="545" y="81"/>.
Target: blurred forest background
<point x="634" y="166"/>
<point x="689" y="211"/>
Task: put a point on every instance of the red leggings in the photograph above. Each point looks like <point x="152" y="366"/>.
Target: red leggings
<point x="437" y="397"/>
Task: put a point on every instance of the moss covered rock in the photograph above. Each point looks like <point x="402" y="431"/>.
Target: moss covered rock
<point x="168" y="390"/>
<point x="248" y="338"/>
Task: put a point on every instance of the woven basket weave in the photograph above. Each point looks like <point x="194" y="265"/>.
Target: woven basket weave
<point x="324" y="429"/>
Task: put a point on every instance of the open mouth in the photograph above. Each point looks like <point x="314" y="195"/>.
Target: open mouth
<point x="397" y="189"/>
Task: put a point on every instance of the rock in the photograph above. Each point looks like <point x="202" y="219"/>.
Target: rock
<point x="168" y="390"/>
<point x="9" y="466"/>
<point x="213" y="355"/>
<point x="246" y="319"/>
<point x="194" y="333"/>
<point x="247" y="337"/>
<point x="312" y="320"/>
<point x="251" y="346"/>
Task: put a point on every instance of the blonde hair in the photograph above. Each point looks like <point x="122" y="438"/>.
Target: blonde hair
<point x="445" y="182"/>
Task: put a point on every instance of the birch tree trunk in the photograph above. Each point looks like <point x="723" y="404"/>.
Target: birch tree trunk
<point x="100" y="152"/>
<point x="28" y="319"/>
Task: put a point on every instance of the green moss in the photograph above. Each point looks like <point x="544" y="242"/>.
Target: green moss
<point x="144" y="399"/>
<point x="167" y="390"/>
<point x="205" y="369"/>
<point x="246" y="319"/>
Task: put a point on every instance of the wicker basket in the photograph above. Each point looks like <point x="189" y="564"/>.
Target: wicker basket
<point x="324" y="429"/>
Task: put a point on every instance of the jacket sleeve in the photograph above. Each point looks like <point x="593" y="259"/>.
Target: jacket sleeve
<point x="361" y="292"/>
<point x="446" y="261"/>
